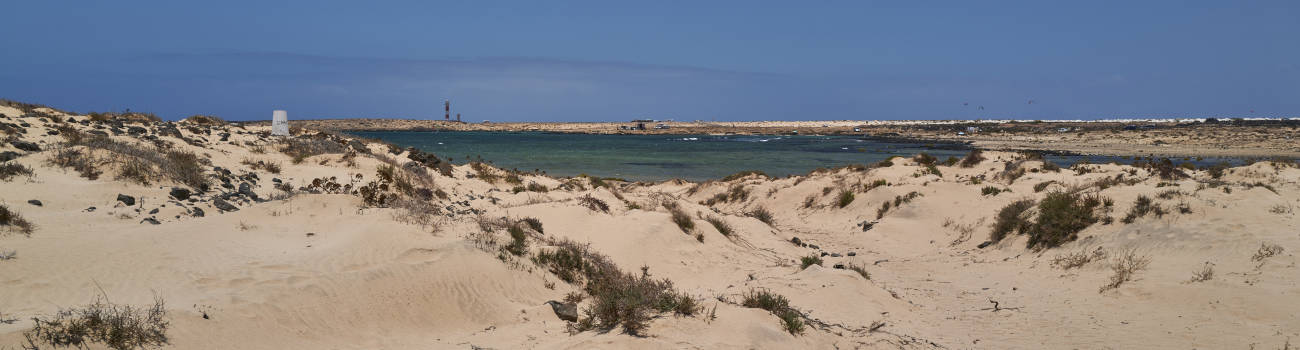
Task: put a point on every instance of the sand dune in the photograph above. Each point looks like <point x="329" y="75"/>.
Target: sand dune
<point x="302" y="266"/>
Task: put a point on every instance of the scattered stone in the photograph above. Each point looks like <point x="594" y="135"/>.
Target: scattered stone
<point x="125" y="199"/>
<point x="90" y="210"/>
<point x="224" y="205"/>
<point x="196" y="212"/>
<point x="796" y="241"/>
<point x="839" y="266"/>
<point x="835" y="255"/>
<point x="150" y="220"/>
<point x="309" y="234"/>
<point x="35" y="202"/>
<point x="154" y="211"/>
<point x="136" y="130"/>
<point x="853" y="254"/>
<point x="814" y="246"/>
<point x="565" y="311"/>
<point x="180" y="193"/>
<point x="824" y="254"/>
<point x="985" y="244"/>
<point x="867" y="225"/>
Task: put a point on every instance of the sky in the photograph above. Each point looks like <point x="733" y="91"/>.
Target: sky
<point x="682" y="60"/>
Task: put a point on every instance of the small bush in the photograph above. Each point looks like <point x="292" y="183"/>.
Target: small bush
<point x="809" y="260"/>
<point x="860" y="269"/>
<point x="1078" y="258"/>
<point x="533" y="223"/>
<point x="119" y="327"/>
<point x="1061" y="215"/>
<point x="975" y="157"/>
<point x="518" y="240"/>
<point x="778" y="305"/>
<point x="682" y="220"/>
<point x="762" y="214"/>
<point x="593" y="203"/>
<point x="1043" y="185"/>
<point x="1012" y="219"/>
<point x="1206" y="273"/>
<point x="1141" y="207"/>
<point x="1266" y="250"/>
<point x="618" y="298"/>
<point x="925" y="159"/>
<point x="15" y="222"/>
<point x="1124" y="267"/>
<point x="535" y="187"/>
<point x="9" y="170"/>
<point x="77" y="160"/>
<point x="845" y="198"/>
<point x="992" y="191"/>
<point x="720" y="225"/>
<point x="1052" y="167"/>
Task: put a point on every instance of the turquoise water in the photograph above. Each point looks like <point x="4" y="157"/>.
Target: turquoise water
<point x="661" y="157"/>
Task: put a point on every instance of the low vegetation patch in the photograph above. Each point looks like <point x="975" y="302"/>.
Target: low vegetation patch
<point x="1266" y="250"/>
<point x="975" y="157"/>
<point x="860" y="269"/>
<point x="1078" y="258"/>
<point x="809" y="260"/>
<point x="1124" y="266"/>
<point x="720" y="225"/>
<point x="9" y="170"/>
<point x="14" y="222"/>
<point x="744" y="174"/>
<point x="1012" y="218"/>
<point x="119" y="327"/>
<point x="682" y="219"/>
<point x="1206" y="273"/>
<point x="1141" y="207"/>
<point x="844" y="199"/>
<point x="992" y="191"/>
<point x="778" y="305"/>
<point x="593" y="203"/>
<point x="1043" y="185"/>
<point x="762" y="214"/>
<point x="619" y="299"/>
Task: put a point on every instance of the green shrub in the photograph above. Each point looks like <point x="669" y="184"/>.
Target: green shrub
<point x="992" y="191"/>
<point x="809" y="260"/>
<point x="1141" y="207"/>
<point x="778" y="305"/>
<point x="845" y="198"/>
<point x="1011" y="219"/>
<point x="119" y="327"/>
<point x="518" y="240"/>
<point x="925" y="159"/>
<point x="1061" y="215"/>
<point x="682" y="220"/>
<point x="619" y="299"/>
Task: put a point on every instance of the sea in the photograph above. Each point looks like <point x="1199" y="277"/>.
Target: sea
<point x="663" y="157"/>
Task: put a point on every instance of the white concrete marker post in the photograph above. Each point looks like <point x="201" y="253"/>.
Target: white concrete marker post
<point x="280" y="123"/>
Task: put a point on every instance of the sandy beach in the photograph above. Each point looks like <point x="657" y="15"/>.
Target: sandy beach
<point x="245" y="240"/>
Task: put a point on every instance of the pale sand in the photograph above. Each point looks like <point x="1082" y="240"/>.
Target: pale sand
<point x="366" y="280"/>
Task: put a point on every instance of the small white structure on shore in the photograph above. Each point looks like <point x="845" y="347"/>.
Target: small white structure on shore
<point x="280" y="123"/>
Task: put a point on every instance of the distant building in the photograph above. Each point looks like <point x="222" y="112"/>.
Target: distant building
<point x="280" y="123"/>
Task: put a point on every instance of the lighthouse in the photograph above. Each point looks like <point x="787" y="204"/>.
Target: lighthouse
<point x="446" y="108"/>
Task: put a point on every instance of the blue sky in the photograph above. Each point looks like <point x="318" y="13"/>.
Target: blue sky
<point x="688" y="60"/>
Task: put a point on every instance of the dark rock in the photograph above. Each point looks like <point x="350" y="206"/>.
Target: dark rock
<point x="276" y="180"/>
<point x="170" y="130"/>
<point x="26" y="146"/>
<point x="835" y="255"/>
<point x="796" y="241"/>
<point x="125" y="199"/>
<point x="853" y="254"/>
<point x="97" y="133"/>
<point x="136" y="130"/>
<point x="839" y="266"/>
<point x="867" y="225"/>
<point x="8" y="156"/>
<point x="180" y="193"/>
<point x="565" y="311"/>
<point x="224" y="205"/>
<point x="154" y="211"/>
<point x="196" y="212"/>
<point x="150" y="220"/>
<point x="985" y="244"/>
<point x="91" y="209"/>
<point x="814" y="246"/>
<point x="35" y="202"/>
<point x="225" y="136"/>
<point x="52" y="132"/>
<point x="824" y="254"/>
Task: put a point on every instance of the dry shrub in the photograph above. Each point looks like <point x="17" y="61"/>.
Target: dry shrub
<point x="14" y="222"/>
<point x="1078" y="258"/>
<point x="720" y="225"/>
<point x="682" y="220"/>
<point x="1206" y="273"/>
<point x="77" y="160"/>
<point x="9" y="170"/>
<point x="810" y="260"/>
<point x="744" y="174"/>
<point x="142" y="164"/>
<point x="300" y="148"/>
<point x="593" y="203"/>
<point x="119" y="327"/>
<point x="1266" y="250"/>
<point x="845" y="198"/>
<point x="762" y="214"/>
<point x="1141" y="207"/>
<point x="1124" y="266"/>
